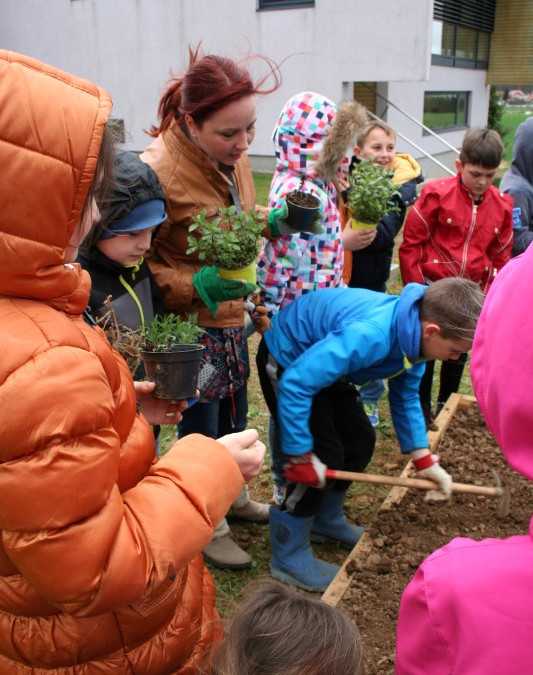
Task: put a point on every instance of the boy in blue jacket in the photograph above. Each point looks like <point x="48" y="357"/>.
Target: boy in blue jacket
<point x="322" y="347"/>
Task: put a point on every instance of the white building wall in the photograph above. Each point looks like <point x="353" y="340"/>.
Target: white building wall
<point x="411" y="96"/>
<point x="131" y="47"/>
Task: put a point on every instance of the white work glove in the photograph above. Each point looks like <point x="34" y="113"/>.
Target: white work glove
<point x="427" y="467"/>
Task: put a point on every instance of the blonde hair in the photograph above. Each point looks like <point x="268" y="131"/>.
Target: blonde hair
<point x="454" y="304"/>
<point x="279" y="631"/>
<point x="374" y="124"/>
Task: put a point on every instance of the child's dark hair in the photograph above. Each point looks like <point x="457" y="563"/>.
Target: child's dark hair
<point x="454" y="304"/>
<point x="374" y="124"/>
<point x="279" y="631"/>
<point x="483" y="147"/>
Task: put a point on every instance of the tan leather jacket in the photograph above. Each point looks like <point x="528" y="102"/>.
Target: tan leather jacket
<point x="100" y="569"/>
<point x="191" y="183"/>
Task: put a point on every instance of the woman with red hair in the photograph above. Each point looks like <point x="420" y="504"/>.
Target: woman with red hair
<point x="206" y="124"/>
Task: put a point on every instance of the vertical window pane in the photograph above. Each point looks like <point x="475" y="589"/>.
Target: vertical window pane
<point x="466" y="43"/>
<point x="448" y="40"/>
<point x="483" y="46"/>
<point x="462" y="100"/>
<point x="436" y="38"/>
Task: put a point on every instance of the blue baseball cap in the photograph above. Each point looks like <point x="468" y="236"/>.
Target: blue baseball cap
<point x="148" y="214"/>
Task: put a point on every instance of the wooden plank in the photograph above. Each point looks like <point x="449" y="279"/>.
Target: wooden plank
<point x="340" y="584"/>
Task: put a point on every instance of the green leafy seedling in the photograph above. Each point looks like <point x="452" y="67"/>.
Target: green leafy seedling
<point x="163" y="332"/>
<point x="370" y="192"/>
<point x="230" y="241"/>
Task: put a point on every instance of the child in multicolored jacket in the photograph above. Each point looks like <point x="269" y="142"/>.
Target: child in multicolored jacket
<point x="312" y="138"/>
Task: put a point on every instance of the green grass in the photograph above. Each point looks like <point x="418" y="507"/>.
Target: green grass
<point x="511" y="118"/>
<point x="262" y="187"/>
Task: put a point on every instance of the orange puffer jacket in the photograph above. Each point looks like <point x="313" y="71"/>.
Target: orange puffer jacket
<point x="99" y="564"/>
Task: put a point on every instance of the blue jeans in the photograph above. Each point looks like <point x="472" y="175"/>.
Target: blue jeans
<point x="372" y="391"/>
<point x="216" y="418"/>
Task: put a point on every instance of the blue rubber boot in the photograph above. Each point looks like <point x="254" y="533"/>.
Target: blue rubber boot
<point x="292" y="559"/>
<point x="330" y="522"/>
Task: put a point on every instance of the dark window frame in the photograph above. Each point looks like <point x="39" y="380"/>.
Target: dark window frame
<point x="268" y="5"/>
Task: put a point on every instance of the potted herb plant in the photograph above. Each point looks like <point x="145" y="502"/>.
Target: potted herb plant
<point x="171" y="355"/>
<point x="230" y="241"/>
<point x="302" y="207"/>
<point x="369" y="195"/>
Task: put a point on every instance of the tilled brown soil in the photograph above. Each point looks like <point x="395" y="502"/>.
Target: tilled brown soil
<point x="405" y="534"/>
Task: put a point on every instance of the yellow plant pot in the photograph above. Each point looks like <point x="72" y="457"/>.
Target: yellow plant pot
<point x="358" y="225"/>
<point x="248" y="273"/>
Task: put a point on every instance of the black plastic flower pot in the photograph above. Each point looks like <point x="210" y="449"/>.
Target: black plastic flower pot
<point x="175" y="372"/>
<point x="302" y="209"/>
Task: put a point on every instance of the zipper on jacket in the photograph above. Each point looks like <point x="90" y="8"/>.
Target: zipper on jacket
<point x="469" y="236"/>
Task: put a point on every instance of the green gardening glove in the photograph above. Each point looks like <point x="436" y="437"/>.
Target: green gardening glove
<point x="278" y="225"/>
<point x="213" y="290"/>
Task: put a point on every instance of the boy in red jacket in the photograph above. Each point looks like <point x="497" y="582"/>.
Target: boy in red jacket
<point x="460" y="226"/>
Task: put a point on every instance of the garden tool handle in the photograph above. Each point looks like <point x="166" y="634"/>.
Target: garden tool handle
<point x="418" y="483"/>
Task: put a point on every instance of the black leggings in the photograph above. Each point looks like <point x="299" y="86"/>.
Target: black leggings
<point x="343" y="436"/>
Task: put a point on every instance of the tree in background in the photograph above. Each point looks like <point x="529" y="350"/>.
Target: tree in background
<point x="496" y="111"/>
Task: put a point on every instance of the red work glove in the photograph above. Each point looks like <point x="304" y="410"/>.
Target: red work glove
<point x="307" y="469"/>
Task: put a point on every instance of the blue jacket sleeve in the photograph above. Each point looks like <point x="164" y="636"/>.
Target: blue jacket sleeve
<point x="406" y="411"/>
<point x="337" y="355"/>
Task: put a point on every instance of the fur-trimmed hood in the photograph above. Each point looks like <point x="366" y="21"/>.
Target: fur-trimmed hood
<point x="350" y="119"/>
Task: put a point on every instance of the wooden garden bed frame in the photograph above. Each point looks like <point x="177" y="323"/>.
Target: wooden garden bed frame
<point x="340" y="584"/>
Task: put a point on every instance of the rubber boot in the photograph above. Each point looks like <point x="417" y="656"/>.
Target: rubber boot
<point x="292" y="559"/>
<point x="331" y="524"/>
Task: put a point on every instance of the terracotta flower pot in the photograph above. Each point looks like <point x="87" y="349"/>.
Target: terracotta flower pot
<point x="248" y="273"/>
<point x="175" y="372"/>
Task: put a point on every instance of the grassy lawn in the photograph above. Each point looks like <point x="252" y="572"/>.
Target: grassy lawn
<point x="512" y="117"/>
<point x="262" y="187"/>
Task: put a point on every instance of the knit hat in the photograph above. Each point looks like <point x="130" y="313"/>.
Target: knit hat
<point x="137" y="201"/>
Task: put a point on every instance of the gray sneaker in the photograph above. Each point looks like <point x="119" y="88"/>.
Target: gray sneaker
<point x="224" y="553"/>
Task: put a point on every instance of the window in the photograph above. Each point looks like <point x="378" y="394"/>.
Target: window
<point x="445" y="110"/>
<point x="459" y="46"/>
<point x="461" y="32"/>
<point x="284" y="4"/>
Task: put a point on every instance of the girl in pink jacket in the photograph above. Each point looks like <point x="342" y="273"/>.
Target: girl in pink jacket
<point x="469" y="608"/>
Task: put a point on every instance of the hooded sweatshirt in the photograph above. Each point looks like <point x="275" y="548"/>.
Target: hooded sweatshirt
<point x="469" y="608"/>
<point x="295" y="264"/>
<point x="517" y="181"/>
<point x="134" y="295"/>
<point x="99" y="564"/>
<point x="349" y="333"/>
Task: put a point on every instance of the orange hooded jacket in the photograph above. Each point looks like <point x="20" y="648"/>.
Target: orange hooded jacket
<point x="99" y="564"/>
